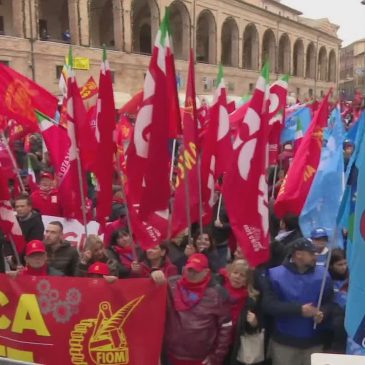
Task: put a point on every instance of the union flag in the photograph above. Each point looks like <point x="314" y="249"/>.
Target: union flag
<point x="20" y="96"/>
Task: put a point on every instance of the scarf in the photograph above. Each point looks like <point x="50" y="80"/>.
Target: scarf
<point x="125" y="254"/>
<point x="42" y="271"/>
<point x="188" y="294"/>
<point x="237" y="296"/>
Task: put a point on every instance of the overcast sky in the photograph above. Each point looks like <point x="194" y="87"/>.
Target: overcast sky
<point x="348" y="14"/>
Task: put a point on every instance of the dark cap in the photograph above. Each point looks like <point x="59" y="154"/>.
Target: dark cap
<point x="303" y="244"/>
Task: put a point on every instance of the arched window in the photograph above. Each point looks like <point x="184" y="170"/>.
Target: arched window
<point x="53" y="23"/>
<point x="180" y="29"/>
<point x="269" y="49"/>
<point x="101" y="23"/>
<point x="6" y="12"/>
<point x="145" y="22"/>
<point x="229" y="43"/>
<point x="206" y="38"/>
<point x="322" y="64"/>
<point x="310" y="70"/>
<point x="298" y="58"/>
<point x="284" y="54"/>
<point x="251" y="48"/>
<point x="332" y="66"/>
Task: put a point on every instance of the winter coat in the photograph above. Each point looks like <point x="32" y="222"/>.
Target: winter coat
<point x="202" y="331"/>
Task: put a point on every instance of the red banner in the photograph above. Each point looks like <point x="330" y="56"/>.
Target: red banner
<point x="81" y="321"/>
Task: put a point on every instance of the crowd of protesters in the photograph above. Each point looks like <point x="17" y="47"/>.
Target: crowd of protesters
<point x="220" y="310"/>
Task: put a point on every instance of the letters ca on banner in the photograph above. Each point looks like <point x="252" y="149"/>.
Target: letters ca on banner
<point x="81" y="321"/>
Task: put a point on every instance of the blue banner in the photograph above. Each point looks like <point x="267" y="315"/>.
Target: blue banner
<point x="303" y="114"/>
<point x="324" y="198"/>
<point x="355" y="309"/>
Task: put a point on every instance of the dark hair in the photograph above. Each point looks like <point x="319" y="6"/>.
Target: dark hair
<point x="211" y="240"/>
<point x="291" y="222"/>
<point x="117" y="234"/>
<point x="337" y="255"/>
<point x="58" y="224"/>
<point x="163" y="246"/>
<point x="24" y="196"/>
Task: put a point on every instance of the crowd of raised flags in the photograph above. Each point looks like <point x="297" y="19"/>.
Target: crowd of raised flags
<point x="210" y="150"/>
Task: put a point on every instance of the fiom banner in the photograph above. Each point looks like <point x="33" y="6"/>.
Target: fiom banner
<point x="81" y="321"/>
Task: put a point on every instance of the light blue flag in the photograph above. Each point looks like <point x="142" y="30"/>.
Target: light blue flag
<point x="324" y="197"/>
<point x="355" y="308"/>
<point x="345" y="218"/>
<point x="303" y="114"/>
<point x="351" y="133"/>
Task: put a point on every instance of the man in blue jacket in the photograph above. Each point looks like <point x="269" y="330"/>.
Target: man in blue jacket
<point x="290" y="296"/>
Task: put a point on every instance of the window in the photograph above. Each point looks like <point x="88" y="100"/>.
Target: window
<point x="43" y="30"/>
<point x="310" y="92"/>
<point x="112" y="73"/>
<point x="230" y="86"/>
<point x="58" y="71"/>
<point x="4" y="62"/>
<point x="250" y="87"/>
<point x="2" y="29"/>
<point x="298" y="91"/>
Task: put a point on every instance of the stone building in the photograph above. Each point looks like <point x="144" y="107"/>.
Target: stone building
<point x="352" y="69"/>
<point x="239" y="34"/>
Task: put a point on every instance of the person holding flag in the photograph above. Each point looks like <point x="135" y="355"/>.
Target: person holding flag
<point x="46" y="199"/>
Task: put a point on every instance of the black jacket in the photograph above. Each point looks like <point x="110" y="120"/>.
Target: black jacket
<point x="65" y="259"/>
<point x="32" y="227"/>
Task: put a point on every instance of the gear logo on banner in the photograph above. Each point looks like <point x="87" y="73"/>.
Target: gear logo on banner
<point x="102" y="340"/>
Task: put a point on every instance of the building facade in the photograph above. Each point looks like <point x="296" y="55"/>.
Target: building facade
<point x="352" y="69"/>
<point x="34" y="37"/>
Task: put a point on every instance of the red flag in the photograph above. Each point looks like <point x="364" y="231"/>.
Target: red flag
<point x="244" y="185"/>
<point x="89" y="89"/>
<point x="69" y="185"/>
<point x="189" y="153"/>
<point x="175" y="128"/>
<point x="124" y="128"/>
<point x="57" y="142"/>
<point x="133" y="105"/>
<point x="7" y="166"/>
<point x="144" y="233"/>
<point x="297" y="182"/>
<point x="106" y="147"/>
<point x="20" y="96"/>
<point x="149" y="184"/>
<point x="217" y="146"/>
<point x="8" y="223"/>
<point x="276" y="116"/>
<point x="86" y="135"/>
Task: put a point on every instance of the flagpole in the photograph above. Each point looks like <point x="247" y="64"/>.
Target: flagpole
<point x="200" y="195"/>
<point x="274" y="181"/>
<point x="324" y="280"/>
<point x="171" y="201"/>
<point x="83" y="203"/>
<point x="12" y="158"/>
<point x="172" y="159"/>
<point x="13" y="247"/>
<point x="219" y="205"/>
<point x="187" y="197"/>
<point x="124" y="196"/>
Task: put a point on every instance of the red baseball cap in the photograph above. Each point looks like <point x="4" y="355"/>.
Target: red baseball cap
<point x="34" y="246"/>
<point x="198" y="262"/>
<point x="46" y="175"/>
<point x="98" y="268"/>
